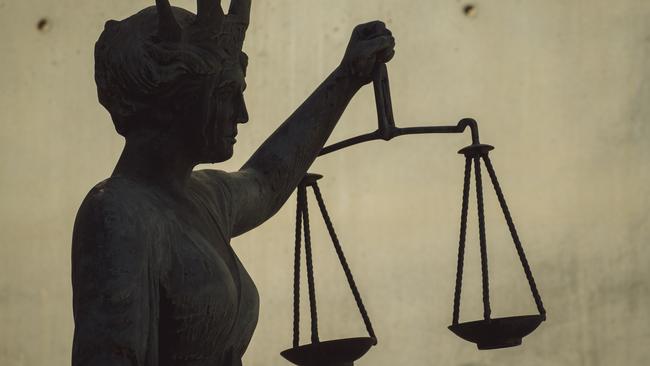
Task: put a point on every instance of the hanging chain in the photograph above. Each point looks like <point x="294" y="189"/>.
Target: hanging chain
<point x="515" y="237"/>
<point x="481" y="231"/>
<point x="461" y="244"/>
<point x="344" y="263"/>
<point x="296" y="269"/>
<point x="310" y="269"/>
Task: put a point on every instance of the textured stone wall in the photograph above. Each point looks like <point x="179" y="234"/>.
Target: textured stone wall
<point x="561" y="88"/>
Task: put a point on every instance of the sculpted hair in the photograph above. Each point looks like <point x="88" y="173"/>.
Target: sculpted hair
<point x="159" y="58"/>
<point x="135" y="71"/>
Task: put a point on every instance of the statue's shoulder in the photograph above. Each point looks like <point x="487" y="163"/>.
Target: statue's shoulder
<point x="116" y="206"/>
<point x="217" y="183"/>
<point x="111" y="239"/>
<point x="120" y="194"/>
<point x="211" y="176"/>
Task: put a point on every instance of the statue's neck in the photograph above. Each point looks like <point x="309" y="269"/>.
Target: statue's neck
<point x="155" y="162"/>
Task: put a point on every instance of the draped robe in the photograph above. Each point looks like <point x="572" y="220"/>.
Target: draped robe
<point x="156" y="282"/>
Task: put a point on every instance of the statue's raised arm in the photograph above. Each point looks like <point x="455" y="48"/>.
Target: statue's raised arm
<point x="272" y="173"/>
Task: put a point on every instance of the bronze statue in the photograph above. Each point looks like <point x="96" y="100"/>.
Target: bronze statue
<point x="154" y="277"/>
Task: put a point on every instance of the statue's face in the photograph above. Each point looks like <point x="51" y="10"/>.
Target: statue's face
<point x="225" y="109"/>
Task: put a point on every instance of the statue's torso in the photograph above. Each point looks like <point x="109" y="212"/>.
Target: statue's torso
<point x="203" y="303"/>
<point x="209" y="303"/>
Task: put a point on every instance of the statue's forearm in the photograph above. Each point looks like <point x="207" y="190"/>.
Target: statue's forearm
<point x="283" y="159"/>
<point x="265" y="182"/>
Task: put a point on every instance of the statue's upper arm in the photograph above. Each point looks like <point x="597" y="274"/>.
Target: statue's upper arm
<point x="245" y="196"/>
<point x="111" y="279"/>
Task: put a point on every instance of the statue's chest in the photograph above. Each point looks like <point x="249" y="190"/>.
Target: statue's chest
<point x="201" y="265"/>
<point x="201" y="287"/>
<point x="208" y="303"/>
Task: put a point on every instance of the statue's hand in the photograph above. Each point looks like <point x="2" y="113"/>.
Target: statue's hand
<point x="371" y="44"/>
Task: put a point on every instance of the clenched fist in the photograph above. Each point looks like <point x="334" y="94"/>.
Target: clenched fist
<point x="371" y="44"/>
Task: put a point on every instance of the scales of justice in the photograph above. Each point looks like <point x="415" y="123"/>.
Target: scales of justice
<point x="155" y="280"/>
<point x="488" y="333"/>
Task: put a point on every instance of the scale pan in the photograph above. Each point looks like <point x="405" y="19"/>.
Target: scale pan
<point x="499" y="332"/>
<point x="339" y="352"/>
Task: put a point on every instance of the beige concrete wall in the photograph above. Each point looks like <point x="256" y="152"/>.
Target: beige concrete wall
<point x="561" y="88"/>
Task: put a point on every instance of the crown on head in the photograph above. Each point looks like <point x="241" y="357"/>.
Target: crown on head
<point x="212" y="26"/>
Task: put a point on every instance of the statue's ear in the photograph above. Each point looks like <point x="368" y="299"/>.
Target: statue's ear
<point x="123" y="113"/>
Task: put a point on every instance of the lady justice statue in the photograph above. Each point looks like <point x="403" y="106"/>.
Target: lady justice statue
<point x="154" y="277"/>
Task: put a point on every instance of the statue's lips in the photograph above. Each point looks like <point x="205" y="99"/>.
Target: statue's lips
<point x="230" y="135"/>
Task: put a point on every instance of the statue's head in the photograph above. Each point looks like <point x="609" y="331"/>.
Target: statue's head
<point x="167" y="72"/>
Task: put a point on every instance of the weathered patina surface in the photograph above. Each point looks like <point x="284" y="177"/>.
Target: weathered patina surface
<point x="154" y="277"/>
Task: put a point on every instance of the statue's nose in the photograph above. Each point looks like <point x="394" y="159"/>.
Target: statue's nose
<point x="242" y="113"/>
